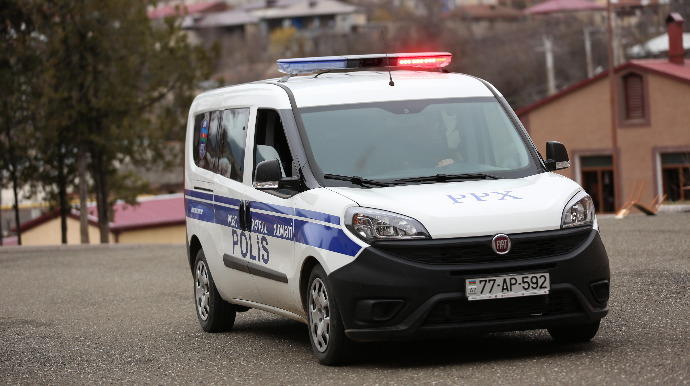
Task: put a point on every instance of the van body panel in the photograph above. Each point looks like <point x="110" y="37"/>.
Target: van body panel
<point x="478" y="207"/>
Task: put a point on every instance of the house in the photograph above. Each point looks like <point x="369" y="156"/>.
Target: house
<point x="268" y="15"/>
<point x="46" y="230"/>
<point x="155" y="220"/>
<point x="192" y="9"/>
<point x="309" y="15"/>
<point x="560" y="6"/>
<point x="652" y="128"/>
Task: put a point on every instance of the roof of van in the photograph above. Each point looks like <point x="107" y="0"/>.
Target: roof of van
<point x="372" y="86"/>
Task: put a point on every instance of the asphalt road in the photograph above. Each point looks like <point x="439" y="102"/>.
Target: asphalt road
<point x="126" y="315"/>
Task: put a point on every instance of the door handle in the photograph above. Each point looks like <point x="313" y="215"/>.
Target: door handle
<point x="241" y="215"/>
<point x="248" y="214"/>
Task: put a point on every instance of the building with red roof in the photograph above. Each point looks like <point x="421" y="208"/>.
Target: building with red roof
<point x="155" y="220"/>
<point x="557" y="6"/>
<point x="652" y="128"/>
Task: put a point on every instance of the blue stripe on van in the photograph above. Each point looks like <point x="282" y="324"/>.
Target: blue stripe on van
<point x="325" y="237"/>
<point x="227" y="200"/>
<point x="201" y="195"/>
<point x="310" y="214"/>
<point x="273" y="208"/>
<point x="308" y="233"/>
<point x="227" y="216"/>
<point x="273" y="226"/>
<point x="199" y="210"/>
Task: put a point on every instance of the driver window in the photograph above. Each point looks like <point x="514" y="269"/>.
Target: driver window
<point x="271" y="142"/>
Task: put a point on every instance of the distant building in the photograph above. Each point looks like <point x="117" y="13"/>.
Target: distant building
<point x="330" y="15"/>
<point x="156" y="220"/>
<point x="183" y="8"/>
<point x="653" y="128"/>
<point x="265" y="15"/>
<point x="561" y="6"/>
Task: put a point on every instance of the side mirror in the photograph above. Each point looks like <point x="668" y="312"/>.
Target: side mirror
<point x="268" y="175"/>
<point x="556" y="156"/>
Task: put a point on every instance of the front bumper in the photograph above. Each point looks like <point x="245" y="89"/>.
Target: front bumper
<point x="428" y="300"/>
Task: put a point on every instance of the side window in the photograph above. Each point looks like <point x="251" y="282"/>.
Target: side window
<point x="219" y="141"/>
<point x="232" y="138"/>
<point x="214" y="141"/>
<point x="200" y="139"/>
<point x="271" y="142"/>
<point x="207" y="133"/>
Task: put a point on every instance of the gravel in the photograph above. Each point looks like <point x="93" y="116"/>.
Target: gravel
<point x="125" y="315"/>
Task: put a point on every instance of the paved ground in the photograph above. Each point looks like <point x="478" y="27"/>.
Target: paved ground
<point x="126" y="316"/>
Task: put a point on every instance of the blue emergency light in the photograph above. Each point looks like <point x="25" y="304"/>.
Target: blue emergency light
<point x="325" y="63"/>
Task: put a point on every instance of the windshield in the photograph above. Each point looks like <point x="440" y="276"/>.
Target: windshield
<point x="405" y="139"/>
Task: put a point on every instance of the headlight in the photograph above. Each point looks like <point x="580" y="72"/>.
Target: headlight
<point x="372" y="224"/>
<point x="579" y="211"/>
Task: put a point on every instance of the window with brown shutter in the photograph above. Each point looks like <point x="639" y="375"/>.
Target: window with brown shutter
<point x="633" y="97"/>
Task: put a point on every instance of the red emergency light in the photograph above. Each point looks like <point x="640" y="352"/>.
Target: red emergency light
<point x="313" y="65"/>
<point x="435" y="61"/>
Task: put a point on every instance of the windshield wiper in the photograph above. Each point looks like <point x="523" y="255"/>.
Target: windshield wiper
<point x="450" y="177"/>
<point x="356" y="180"/>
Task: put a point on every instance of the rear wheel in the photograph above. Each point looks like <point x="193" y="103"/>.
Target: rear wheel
<point x="214" y="313"/>
<point x="575" y="334"/>
<point x="326" y="331"/>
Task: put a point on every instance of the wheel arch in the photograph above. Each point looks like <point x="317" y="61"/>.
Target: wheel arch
<point x="194" y="248"/>
<point x="307" y="266"/>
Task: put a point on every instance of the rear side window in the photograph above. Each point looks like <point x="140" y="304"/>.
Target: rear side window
<point x="234" y="134"/>
<point x="219" y="141"/>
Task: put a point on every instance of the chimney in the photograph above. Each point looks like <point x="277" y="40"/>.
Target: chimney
<point x="271" y="3"/>
<point x="674" y="25"/>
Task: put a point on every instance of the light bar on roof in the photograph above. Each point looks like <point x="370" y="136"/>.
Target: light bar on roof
<point x="312" y="65"/>
<point x="309" y="65"/>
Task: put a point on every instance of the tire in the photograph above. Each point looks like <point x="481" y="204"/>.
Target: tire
<point x="214" y="313"/>
<point x="575" y="334"/>
<point x="326" y="331"/>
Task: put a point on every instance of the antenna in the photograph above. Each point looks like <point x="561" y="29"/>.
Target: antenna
<point x="391" y="83"/>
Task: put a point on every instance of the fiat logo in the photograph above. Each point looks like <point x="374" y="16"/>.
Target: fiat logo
<point x="501" y="244"/>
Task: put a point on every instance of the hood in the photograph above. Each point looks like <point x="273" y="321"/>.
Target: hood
<point x="475" y="208"/>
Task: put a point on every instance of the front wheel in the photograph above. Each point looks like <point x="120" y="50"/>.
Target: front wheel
<point x="214" y="313"/>
<point x="326" y="331"/>
<point x="575" y="334"/>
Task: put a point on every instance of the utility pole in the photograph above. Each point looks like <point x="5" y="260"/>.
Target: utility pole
<point x="548" y="51"/>
<point x="612" y="106"/>
<point x="588" y="52"/>
<point x="616" y="37"/>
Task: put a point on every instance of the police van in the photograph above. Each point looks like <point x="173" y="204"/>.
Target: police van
<point x="380" y="197"/>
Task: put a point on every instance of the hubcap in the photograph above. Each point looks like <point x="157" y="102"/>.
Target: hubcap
<point x="201" y="290"/>
<point x="319" y="315"/>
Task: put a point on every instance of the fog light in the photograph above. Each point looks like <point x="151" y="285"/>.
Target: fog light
<point x="600" y="290"/>
<point x="377" y="310"/>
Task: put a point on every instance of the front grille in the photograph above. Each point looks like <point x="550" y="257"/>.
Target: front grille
<point x="464" y="311"/>
<point x="472" y="250"/>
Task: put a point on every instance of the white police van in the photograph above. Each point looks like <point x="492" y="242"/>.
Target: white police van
<point x="381" y="206"/>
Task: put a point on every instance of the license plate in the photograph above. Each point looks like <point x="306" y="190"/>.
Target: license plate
<point x="508" y="286"/>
